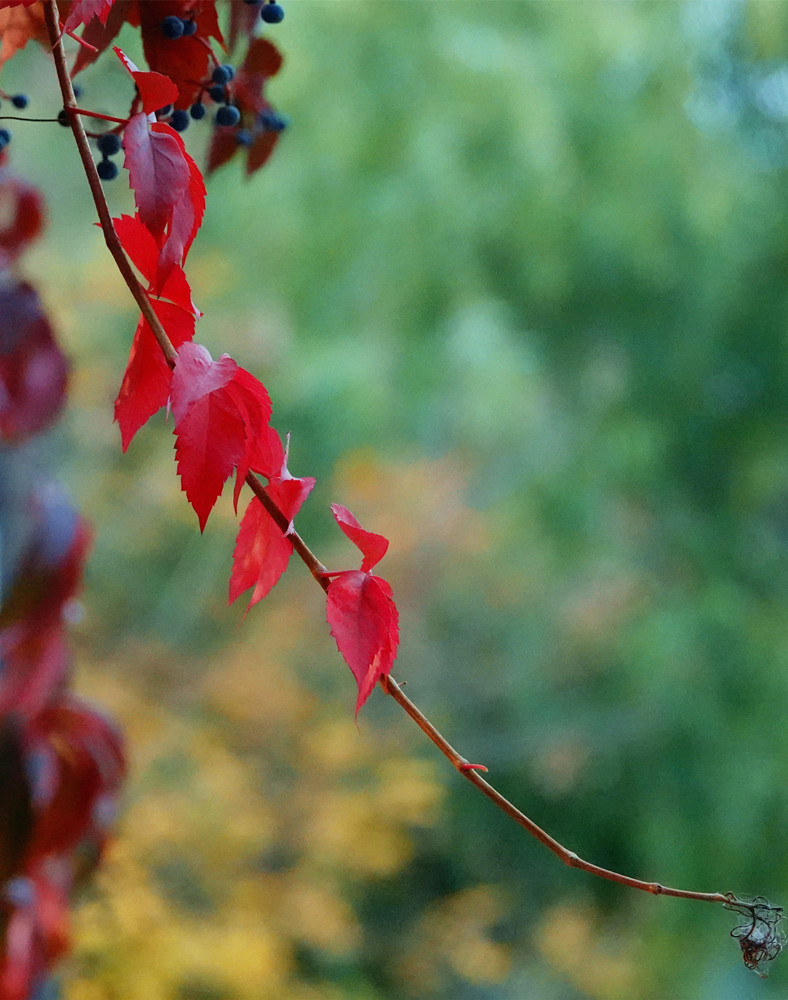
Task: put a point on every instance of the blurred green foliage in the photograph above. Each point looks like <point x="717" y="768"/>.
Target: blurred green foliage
<point x="516" y="281"/>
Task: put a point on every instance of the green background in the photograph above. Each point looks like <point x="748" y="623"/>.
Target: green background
<point x="516" y="281"/>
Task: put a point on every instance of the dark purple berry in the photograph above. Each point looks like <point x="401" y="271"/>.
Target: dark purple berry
<point x="223" y="74"/>
<point x="189" y="28"/>
<point x="180" y="120"/>
<point x="63" y="118"/>
<point x="19" y="101"/>
<point x="5" y="137"/>
<point x="245" y="137"/>
<point x="109" y="144"/>
<point x="197" y="110"/>
<point x="272" y="12"/>
<point x="172" y="27"/>
<point x="107" y="170"/>
<point x="229" y="115"/>
<point x="217" y="93"/>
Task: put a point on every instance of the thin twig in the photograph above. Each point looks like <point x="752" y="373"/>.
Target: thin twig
<point x="313" y="564"/>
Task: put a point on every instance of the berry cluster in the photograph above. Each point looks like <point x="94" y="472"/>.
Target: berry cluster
<point x="178" y="27"/>
<point x="109" y="145"/>
<point x="228" y="115"/>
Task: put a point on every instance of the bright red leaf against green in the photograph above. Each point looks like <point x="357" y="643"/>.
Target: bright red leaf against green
<point x="219" y="409"/>
<point x="262" y="550"/>
<point x="361" y="611"/>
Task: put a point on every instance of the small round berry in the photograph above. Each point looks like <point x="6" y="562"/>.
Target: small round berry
<point x="107" y="170"/>
<point x="229" y="115"/>
<point x="109" y="144"/>
<point x="164" y="112"/>
<point x="19" y="101"/>
<point x="245" y="137"/>
<point x="217" y="93"/>
<point x="63" y="118"/>
<point x="272" y="12"/>
<point x="189" y="28"/>
<point x="180" y="120"/>
<point x="197" y="110"/>
<point x="172" y="27"/>
<point x="5" y="137"/>
<point x="223" y="74"/>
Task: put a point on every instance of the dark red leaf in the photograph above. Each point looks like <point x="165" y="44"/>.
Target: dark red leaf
<point x="364" y="622"/>
<point x="33" y="370"/>
<point x="100" y="36"/>
<point x="22" y="212"/>
<point x="184" y="60"/>
<point x="83" y="11"/>
<point x="372" y="546"/>
<point x="147" y="380"/>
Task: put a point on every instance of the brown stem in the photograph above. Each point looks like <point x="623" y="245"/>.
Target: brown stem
<point x="313" y="564"/>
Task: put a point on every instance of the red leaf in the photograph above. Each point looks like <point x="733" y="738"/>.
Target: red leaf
<point x="261" y="554"/>
<point x="365" y="624"/>
<point x="155" y="90"/>
<point x="101" y="35"/>
<point x="210" y="429"/>
<point x="83" y="11"/>
<point x="143" y="252"/>
<point x="158" y="170"/>
<point x="373" y="547"/>
<point x="184" y="60"/>
<point x="187" y="215"/>
<point x="147" y="379"/>
<point x="33" y="370"/>
<point x="22" y="212"/>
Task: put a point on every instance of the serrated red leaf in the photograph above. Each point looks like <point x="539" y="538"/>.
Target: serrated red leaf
<point x="373" y="547"/>
<point x="83" y="11"/>
<point x="99" y="36"/>
<point x="261" y="554"/>
<point x="143" y="252"/>
<point x="365" y="624"/>
<point x="155" y="89"/>
<point x="147" y="379"/>
<point x="187" y="216"/>
<point x="159" y="172"/>
<point x="215" y="405"/>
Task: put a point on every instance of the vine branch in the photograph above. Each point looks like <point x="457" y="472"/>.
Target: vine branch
<point x="313" y="564"/>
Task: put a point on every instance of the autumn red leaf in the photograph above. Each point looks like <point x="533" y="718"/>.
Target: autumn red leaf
<point x="146" y="382"/>
<point x="158" y="171"/>
<point x="361" y="611"/>
<point x="373" y="547"/>
<point x="84" y="11"/>
<point x="218" y="409"/>
<point x="185" y="60"/>
<point x="99" y="35"/>
<point x="155" y="89"/>
<point x="22" y="215"/>
<point x="33" y="369"/>
<point x="262" y="549"/>
<point x="168" y="189"/>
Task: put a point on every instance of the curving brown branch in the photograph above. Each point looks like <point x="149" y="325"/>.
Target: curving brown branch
<point x="313" y="564"/>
